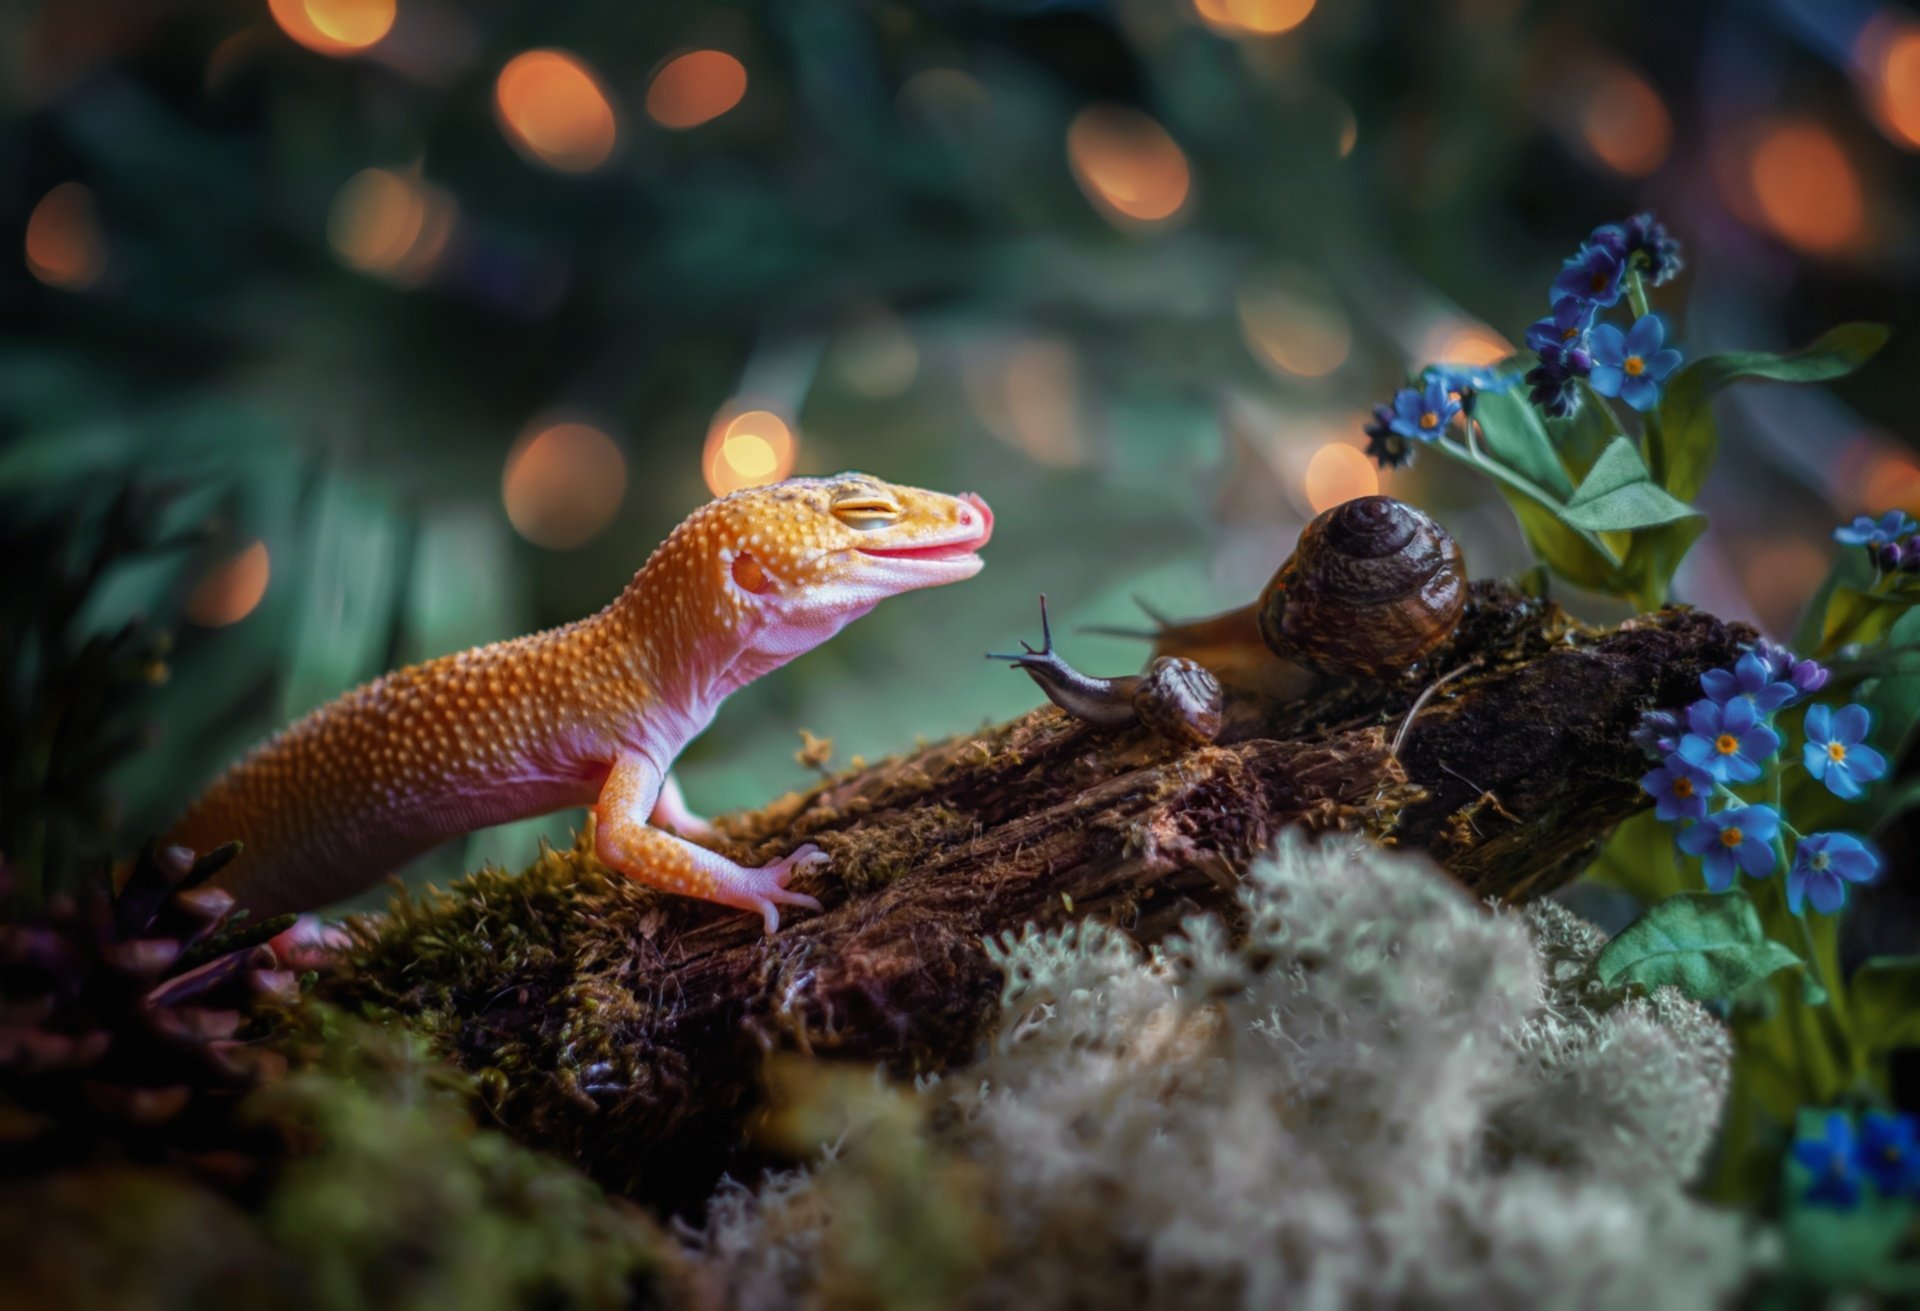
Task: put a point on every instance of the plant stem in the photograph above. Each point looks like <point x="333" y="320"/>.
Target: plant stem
<point x="1636" y="293"/>
<point x="1653" y="441"/>
<point x="1599" y="403"/>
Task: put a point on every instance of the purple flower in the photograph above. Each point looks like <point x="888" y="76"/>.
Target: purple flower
<point x="1910" y="556"/>
<point x="1739" y="836"/>
<point x="1752" y="679"/>
<point x="1552" y="380"/>
<point x="1834" y="1164"/>
<point x="1823" y="865"/>
<point x="1866" y="531"/>
<point x="1658" y="733"/>
<point x="1645" y="241"/>
<point x="1565" y="328"/>
<point x="1388" y="448"/>
<point x="1806" y="676"/>
<point x="1422" y="414"/>
<point x="1679" y="790"/>
<point x="1592" y="275"/>
<point x="1632" y="365"/>
<point x="1890" y="1152"/>
<point x="1728" y="741"/>
<point x="1836" y="752"/>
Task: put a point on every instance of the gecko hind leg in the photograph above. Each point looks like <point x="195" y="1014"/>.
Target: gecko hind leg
<point x="671" y="811"/>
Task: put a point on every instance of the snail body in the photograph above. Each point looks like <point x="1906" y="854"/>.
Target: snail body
<point x="1176" y="697"/>
<point x="1372" y="588"/>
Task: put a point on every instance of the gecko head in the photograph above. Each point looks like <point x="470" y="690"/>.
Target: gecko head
<point x="810" y="554"/>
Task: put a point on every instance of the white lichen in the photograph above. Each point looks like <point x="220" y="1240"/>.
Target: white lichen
<point x="1378" y="1094"/>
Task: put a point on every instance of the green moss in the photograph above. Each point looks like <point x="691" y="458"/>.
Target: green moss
<point x="389" y="1197"/>
<point x="396" y="1198"/>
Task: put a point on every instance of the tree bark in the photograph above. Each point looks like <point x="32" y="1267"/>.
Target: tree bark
<point x="1510" y="774"/>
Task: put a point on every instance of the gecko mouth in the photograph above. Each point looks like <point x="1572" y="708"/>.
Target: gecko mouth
<point x="959" y="549"/>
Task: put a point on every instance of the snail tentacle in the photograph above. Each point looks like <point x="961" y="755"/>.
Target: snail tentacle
<point x="1107" y="702"/>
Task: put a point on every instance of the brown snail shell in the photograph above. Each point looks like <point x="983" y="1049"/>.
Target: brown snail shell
<point x="1373" y="587"/>
<point x="1180" y="700"/>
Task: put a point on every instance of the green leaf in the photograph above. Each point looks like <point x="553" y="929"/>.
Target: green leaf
<point x="1618" y="495"/>
<point x="1894" y="696"/>
<point x="1562" y="549"/>
<point x="1709" y="945"/>
<point x="1656" y="554"/>
<point x="1885" y="995"/>
<point x="1850" y="569"/>
<point x="1511" y="432"/>
<point x="1686" y="411"/>
<point x="1854" y="615"/>
<point x="1640" y="859"/>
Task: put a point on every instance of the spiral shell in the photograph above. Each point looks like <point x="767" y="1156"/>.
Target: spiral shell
<point x="1179" y="700"/>
<point x="1373" y="587"/>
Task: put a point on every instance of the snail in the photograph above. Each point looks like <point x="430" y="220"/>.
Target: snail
<point x="1176" y="698"/>
<point x="1372" y="588"/>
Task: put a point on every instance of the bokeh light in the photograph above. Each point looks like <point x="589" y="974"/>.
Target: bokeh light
<point x="231" y="589"/>
<point x="1338" y="473"/>
<point x="748" y="448"/>
<point x="1892" y="481"/>
<point x="63" y="245"/>
<point x="1888" y="56"/>
<point x="1778" y="573"/>
<point x="1807" y="190"/>
<point x="563" y="484"/>
<point x="1129" y="167"/>
<point x="1453" y="340"/>
<point x="1253" y="17"/>
<point x="553" y="110"/>
<point x="696" y="88"/>
<point x="390" y="223"/>
<point x="334" y="27"/>
<point x="876" y="357"/>
<point x="1293" y="321"/>
<point x="1028" y="395"/>
<point x="1624" y="122"/>
<point x="1349" y="132"/>
<point x="947" y="102"/>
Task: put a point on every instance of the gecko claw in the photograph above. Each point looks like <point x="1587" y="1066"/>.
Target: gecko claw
<point x="765" y="889"/>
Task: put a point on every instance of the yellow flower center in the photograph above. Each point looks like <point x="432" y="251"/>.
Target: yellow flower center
<point x="1634" y="366"/>
<point x="1836" y="751"/>
<point x="1430" y="420"/>
<point x="1726" y="744"/>
<point x="1683" y="788"/>
<point x="1599" y="282"/>
<point x="1570" y="333"/>
<point x="1731" y="837"/>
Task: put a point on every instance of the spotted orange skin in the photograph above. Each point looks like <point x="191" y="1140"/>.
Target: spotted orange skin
<point x="590" y="713"/>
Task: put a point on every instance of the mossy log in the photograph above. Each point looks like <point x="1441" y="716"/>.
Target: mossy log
<point x="628" y="1030"/>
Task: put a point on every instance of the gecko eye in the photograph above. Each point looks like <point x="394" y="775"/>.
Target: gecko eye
<point x="866" y="513"/>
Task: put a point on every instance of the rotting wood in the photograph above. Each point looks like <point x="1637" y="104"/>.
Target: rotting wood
<point x="631" y="1033"/>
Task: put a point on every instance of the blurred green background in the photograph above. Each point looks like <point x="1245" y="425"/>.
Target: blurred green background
<point x="445" y="313"/>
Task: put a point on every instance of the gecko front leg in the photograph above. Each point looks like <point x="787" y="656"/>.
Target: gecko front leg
<point x="625" y="841"/>
<point x="671" y="811"/>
